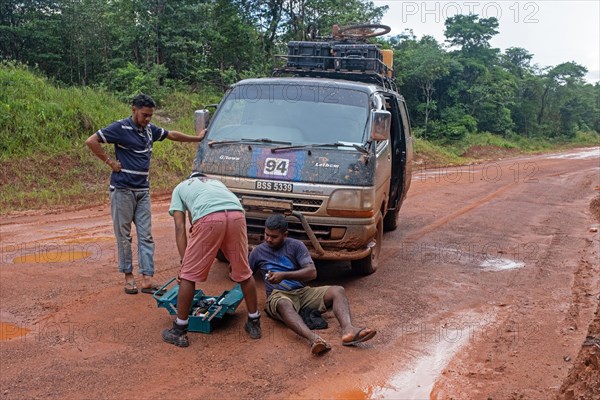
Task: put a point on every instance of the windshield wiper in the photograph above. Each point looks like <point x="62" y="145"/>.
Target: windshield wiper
<point x="310" y="146"/>
<point x="259" y="140"/>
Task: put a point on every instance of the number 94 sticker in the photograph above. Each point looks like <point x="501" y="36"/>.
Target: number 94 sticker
<point x="276" y="166"/>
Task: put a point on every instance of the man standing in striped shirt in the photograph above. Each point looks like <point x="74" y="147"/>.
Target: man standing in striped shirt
<point x="133" y="138"/>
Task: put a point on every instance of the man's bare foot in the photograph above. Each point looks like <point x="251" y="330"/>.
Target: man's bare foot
<point x="147" y="282"/>
<point x="130" y="286"/>
<point x="148" y="286"/>
<point x="358" y="336"/>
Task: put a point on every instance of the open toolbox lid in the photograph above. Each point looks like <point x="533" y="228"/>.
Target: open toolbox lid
<point x="220" y="305"/>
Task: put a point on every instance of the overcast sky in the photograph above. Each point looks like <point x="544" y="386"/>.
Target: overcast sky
<point x="554" y="31"/>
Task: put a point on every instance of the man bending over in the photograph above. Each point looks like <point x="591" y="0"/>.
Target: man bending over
<point x="218" y="222"/>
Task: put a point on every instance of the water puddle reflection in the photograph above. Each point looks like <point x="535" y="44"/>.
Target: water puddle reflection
<point x="436" y="344"/>
<point x="501" y="264"/>
<point x="418" y="381"/>
<point x="580" y="155"/>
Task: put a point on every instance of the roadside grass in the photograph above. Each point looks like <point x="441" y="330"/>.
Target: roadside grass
<point x="585" y="139"/>
<point x="428" y="153"/>
<point x="485" y="146"/>
<point x="38" y="116"/>
<point x="44" y="162"/>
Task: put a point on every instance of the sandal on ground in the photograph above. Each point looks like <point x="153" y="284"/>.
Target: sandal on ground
<point x="358" y="338"/>
<point x="155" y="288"/>
<point x="131" y="288"/>
<point x="319" y="346"/>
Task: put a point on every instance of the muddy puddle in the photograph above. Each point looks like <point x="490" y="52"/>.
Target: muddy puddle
<point x="417" y="378"/>
<point x="501" y="264"/>
<point x="52" y="256"/>
<point x="468" y="257"/>
<point x="12" y="331"/>
<point x="417" y="381"/>
<point x="355" y="394"/>
<point x="580" y="155"/>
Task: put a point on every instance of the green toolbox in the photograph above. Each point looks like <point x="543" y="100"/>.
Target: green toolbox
<point x="206" y="311"/>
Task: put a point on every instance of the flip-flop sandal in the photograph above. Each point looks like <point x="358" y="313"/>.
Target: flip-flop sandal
<point x="154" y="289"/>
<point x="131" y="288"/>
<point x="319" y="347"/>
<point x="359" y="339"/>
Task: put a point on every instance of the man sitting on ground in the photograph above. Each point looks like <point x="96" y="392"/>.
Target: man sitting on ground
<point x="285" y="264"/>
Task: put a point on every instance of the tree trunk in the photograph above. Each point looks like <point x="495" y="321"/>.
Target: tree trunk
<point x="428" y="92"/>
<point x="540" y="116"/>
<point x="275" y="8"/>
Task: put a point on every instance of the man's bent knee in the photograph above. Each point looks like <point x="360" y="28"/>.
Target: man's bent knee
<point x="336" y="291"/>
<point x="285" y="306"/>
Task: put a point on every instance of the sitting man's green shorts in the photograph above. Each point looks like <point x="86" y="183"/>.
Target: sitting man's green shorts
<point x="300" y="298"/>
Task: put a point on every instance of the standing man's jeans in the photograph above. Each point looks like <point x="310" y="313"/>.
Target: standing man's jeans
<point x="129" y="206"/>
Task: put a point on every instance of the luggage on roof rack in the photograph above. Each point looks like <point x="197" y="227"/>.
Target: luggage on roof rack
<point x="344" y="55"/>
<point x="337" y="56"/>
<point x="311" y="55"/>
<point x="357" y="57"/>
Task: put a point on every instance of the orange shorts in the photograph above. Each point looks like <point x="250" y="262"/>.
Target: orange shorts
<point x="225" y="230"/>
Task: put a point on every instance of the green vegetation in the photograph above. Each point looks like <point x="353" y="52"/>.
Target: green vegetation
<point x="466" y="99"/>
<point x="35" y="114"/>
<point x="470" y="87"/>
<point x="45" y="163"/>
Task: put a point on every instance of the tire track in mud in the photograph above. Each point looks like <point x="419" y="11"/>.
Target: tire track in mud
<point x="581" y="289"/>
<point x="25" y="220"/>
<point x="473" y="205"/>
<point x="462" y="211"/>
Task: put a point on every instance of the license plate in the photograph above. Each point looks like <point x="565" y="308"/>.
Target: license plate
<point x="274" y="186"/>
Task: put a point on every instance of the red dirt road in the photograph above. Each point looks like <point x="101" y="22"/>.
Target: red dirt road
<point x="485" y="290"/>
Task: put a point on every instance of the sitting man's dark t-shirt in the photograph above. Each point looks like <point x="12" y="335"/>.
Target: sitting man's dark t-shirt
<point x="291" y="256"/>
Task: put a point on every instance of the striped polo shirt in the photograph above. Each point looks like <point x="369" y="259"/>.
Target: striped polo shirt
<point x="133" y="149"/>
